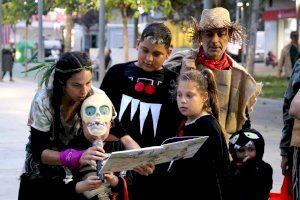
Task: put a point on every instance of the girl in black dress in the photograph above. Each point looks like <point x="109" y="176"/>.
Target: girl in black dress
<point x="206" y="175"/>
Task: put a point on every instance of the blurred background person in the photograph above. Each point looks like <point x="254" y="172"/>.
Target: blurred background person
<point x="7" y="62"/>
<point x="108" y="59"/>
<point x="289" y="56"/>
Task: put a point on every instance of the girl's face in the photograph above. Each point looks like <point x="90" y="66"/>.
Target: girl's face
<point x="78" y="86"/>
<point x="190" y="100"/>
<point x="151" y="56"/>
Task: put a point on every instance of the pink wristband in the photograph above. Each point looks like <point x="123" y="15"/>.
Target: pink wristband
<point x="70" y="158"/>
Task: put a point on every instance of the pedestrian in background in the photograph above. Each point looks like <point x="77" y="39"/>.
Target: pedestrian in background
<point x="289" y="55"/>
<point x="271" y="59"/>
<point x="7" y="62"/>
<point x="108" y="59"/>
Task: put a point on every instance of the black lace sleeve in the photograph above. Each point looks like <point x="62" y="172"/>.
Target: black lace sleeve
<point x="39" y="141"/>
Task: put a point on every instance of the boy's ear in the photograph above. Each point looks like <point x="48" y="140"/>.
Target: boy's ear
<point x="170" y="50"/>
<point x="137" y="44"/>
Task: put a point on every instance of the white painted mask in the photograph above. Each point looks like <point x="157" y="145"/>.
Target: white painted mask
<point x="97" y="112"/>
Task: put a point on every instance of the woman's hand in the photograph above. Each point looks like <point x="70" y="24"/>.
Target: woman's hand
<point x="92" y="155"/>
<point x="91" y="183"/>
<point x="145" y="169"/>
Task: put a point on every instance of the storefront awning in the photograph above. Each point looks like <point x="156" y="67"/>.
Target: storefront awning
<point x="279" y="14"/>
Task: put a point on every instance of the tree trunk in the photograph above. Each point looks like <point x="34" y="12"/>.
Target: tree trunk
<point x="26" y="49"/>
<point x="1" y="40"/>
<point x="252" y="36"/>
<point x="125" y="33"/>
<point x="62" y="39"/>
<point x="136" y="30"/>
<point x="69" y="25"/>
<point x="101" y="42"/>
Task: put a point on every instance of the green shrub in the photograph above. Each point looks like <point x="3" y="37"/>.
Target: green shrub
<point x="273" y="87"/>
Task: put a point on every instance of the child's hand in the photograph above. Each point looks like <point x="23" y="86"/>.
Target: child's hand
<point x="91" y="183"/>
<point x="145" y="169"/>
<point x="92" y="155"/>
<point x="111" y="179"/>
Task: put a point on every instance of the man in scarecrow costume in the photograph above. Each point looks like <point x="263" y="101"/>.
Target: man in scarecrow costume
<point x="237" y="90"/>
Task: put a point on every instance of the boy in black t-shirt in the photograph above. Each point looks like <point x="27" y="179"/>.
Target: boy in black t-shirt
<point x="142" y="92"/>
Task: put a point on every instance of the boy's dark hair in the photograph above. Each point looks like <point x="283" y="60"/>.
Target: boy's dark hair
<point x="158" y="33"/>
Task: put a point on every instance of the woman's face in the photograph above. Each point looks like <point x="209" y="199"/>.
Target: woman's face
<point x="78" y="86"/>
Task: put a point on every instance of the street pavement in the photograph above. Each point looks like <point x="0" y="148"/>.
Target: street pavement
<point x="15" y="98"/>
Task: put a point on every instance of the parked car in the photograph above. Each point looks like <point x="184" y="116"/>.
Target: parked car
<point x="259" y="55"/>
<point x="53" y="50"/>
<point x="235" y="51"/>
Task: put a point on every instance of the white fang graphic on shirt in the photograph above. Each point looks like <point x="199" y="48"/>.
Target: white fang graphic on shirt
<point x="144" y="111"/>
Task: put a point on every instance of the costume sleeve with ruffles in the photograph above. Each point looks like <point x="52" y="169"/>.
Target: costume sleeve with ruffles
<point x="41" y="114"/>
<point x="40" y="120"/>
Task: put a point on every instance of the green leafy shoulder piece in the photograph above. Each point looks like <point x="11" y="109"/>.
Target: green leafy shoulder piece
<point x="47" y="68"/>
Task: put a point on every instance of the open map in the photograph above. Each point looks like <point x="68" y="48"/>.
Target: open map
<point x="171" y="149"/>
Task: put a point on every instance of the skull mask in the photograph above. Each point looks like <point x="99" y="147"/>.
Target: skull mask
<point x="97" y="112"/>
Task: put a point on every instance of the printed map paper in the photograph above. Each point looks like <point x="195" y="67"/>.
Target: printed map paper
<point x="172" y="149"/>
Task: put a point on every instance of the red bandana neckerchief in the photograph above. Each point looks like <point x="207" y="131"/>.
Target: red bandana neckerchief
<point x="222" y="64"/>
<point x="180" y="130"/>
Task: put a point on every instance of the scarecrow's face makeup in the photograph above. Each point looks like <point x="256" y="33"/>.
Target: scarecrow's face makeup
<point x="214" y="42"/>
<point x="246" y="152"/>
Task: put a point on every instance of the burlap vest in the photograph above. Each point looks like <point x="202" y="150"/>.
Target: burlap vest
<point x="295" y="141"/>
<point x="236" y="90"/>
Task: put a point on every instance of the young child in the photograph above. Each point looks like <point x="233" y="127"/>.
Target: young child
<point x="209" y="168"/>
<point x="97" y="114"/>
<point x="142" y="92"/>
<point x="252" y="177"/>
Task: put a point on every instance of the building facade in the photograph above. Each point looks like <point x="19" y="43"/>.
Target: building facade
<point x="280" y="19"/>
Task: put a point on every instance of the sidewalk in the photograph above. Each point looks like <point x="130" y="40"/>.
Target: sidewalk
<point x="15" y="98"/>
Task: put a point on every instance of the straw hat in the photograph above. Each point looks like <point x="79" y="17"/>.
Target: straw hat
<point x="214" y="18"/>
<point x="219" y="18"/>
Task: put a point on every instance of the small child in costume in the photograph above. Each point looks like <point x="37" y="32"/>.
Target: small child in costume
<point x="97" y="114"/>
<point x="252" y="177"/>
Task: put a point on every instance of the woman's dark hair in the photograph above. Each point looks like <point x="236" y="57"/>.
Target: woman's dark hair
<point x="69" y="63"/>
